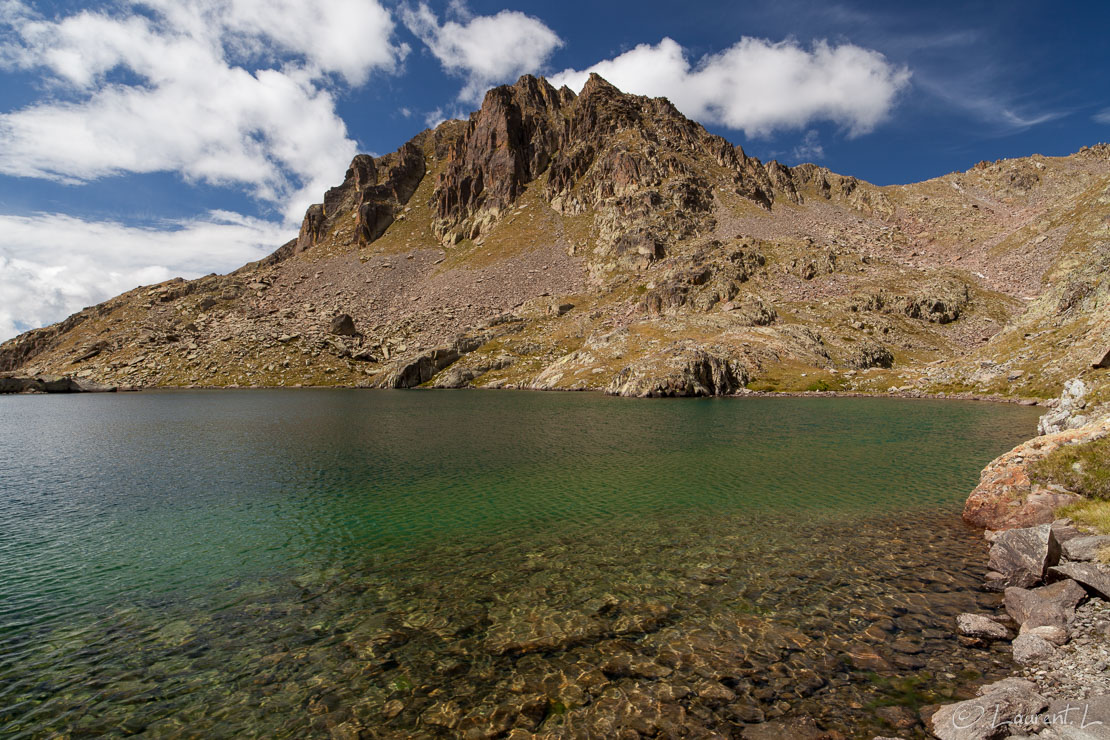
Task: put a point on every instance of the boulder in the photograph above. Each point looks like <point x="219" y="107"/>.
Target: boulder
<point x="343" y="325"/>
<point x="980" y="627"/>
<point x="11" y="384"/>
<point x="1031" y="648"/>
<point x="1047" y="606"/>
<point x="1091" y="576"/>
<point x="1084" y="548"/>
<point x="1056" y="635"/>
<point x="1022" y="556"/>
<point x="984" y="717"/>
<point x="1065" y="530"/>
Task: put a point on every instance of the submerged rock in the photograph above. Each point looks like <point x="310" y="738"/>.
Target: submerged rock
<point x="980" y="627"/>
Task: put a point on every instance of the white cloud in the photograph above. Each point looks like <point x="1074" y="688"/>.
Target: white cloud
<point x="224" y="92"/>
<point x="810" y="148"/>
<point x="760" y="86"/>
<point x="486" y="50"/>
<point x="1103" y="116"/>
<point x="52" y="265"/>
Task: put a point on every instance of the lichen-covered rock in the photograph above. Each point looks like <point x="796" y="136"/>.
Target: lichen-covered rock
<point x="1007" y="498"/>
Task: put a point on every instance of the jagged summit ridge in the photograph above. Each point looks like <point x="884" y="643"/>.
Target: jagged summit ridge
<point x="624" y="154"/>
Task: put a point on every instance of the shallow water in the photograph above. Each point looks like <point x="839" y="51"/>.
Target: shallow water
<point x="298" y="563"/>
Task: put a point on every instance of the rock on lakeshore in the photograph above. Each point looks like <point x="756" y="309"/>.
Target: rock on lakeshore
<point x="985" y="716"/>
<point x="1021" y="557"/>
<point x="1006" y="497"/>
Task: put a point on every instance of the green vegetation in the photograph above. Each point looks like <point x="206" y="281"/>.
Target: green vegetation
<point x="1083" y="468"/>
<point x="1093" y="514"/>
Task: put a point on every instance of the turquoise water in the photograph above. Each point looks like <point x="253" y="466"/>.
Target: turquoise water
<point x="155" y="547"/>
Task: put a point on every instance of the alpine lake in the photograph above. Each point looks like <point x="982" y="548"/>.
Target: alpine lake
<point x="350" y="563"/>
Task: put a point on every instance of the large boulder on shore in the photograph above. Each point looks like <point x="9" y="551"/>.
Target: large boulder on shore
<point x="1021" y="557"/>
<point x="1006" y="497"/>
<point x="1048" y="606"/>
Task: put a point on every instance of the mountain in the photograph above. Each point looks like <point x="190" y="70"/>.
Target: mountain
<point x="605" y="241"/>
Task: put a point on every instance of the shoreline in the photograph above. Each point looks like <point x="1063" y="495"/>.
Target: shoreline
<point x="903" y="395"/>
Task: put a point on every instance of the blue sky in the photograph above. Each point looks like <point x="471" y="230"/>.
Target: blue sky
<point x="140" y="140"/>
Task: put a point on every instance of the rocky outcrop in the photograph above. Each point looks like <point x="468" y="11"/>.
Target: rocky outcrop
<point x="51" y="384"/>
<point x="1006" y="497"/>
<point x="507" y="144"/>
<point x="375" y="190"/>
<point x="681" y="370"/>
<point x="1069" y="410"/>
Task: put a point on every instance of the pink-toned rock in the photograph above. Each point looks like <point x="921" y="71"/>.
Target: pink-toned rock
<point x="1006" y="498"/>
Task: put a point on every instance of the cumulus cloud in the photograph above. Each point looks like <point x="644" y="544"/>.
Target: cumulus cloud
<point x="485" y="50"/>
<point x="90" y="261"/>
<point x="224" y="92"/>
<point x="759" y="86"/>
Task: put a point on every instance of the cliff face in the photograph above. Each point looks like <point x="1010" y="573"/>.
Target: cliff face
<point x="604" y="241"/>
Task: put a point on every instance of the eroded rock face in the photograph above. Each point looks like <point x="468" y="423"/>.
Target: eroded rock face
<point x="508" y="143"/>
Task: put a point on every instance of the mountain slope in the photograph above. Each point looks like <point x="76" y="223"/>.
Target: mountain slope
<point x="604" y="241"/>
